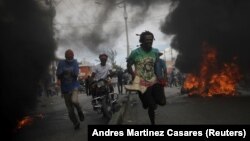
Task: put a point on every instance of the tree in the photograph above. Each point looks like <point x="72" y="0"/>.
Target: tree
<point x="112" y="55"/>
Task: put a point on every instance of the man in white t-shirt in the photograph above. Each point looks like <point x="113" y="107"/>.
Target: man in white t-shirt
<point x="102" y="71"/>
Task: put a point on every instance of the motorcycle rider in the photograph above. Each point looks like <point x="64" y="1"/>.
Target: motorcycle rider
<point x="102" y="70"/>
<point x="67" y="73"/>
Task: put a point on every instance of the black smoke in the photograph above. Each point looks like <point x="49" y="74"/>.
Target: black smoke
<point x="142" y="7"/>
<point x="96" y="37"/>
<point x="27" y="48"/>
<point x="224" y="24"/>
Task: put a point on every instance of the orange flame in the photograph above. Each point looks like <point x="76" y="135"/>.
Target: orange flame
<point x="213" y="79"/>
<point x="28" y="120"/>
<point x="24" y="122"/>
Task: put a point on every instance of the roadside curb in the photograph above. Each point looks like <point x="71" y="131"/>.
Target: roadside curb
<point x="125" y="103"/>
<point x="117" y="118"/>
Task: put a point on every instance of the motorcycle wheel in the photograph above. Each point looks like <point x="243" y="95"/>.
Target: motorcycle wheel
<point x="107" y="109"/>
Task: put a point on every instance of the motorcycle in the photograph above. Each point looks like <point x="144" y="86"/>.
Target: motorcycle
<point x="104" y="100"/>
<point x="82" y="86"/>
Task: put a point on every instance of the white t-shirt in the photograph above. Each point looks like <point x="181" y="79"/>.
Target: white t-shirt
<point x="101" y="72"/>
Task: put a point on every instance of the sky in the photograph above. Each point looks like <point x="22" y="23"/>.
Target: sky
<point x="91" y="27"/>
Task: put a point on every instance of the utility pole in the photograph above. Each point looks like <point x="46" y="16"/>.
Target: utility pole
<point x="165" y="55"/>
<point x="126" y="25"/>
<point x="125" y="19"/>
<point x="171" y="53"/>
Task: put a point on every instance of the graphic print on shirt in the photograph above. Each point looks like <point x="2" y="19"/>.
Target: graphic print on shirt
<point x="146" y="68"/>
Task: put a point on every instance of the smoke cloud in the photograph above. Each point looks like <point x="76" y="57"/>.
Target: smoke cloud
<point x="223" y="24"/>
<point x="142" y="7"/>
<point x="100" y="34"/>
<point x="97" y="38"/>
<point x="27" y="48"/>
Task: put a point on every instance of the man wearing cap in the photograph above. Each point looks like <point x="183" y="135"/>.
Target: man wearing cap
<point x="67" y="73"/>
<point x="102" y="70"/>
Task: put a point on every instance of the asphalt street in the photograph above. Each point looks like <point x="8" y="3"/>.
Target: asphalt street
<point x="51" y="121"/>
<point x="190" y="110"/>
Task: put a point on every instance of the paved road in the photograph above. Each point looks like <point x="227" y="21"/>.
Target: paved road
<point x="182" y="109"/>
<point x="55" y="124"/>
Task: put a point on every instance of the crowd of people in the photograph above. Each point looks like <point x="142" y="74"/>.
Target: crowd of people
<point x="146" y="73"/>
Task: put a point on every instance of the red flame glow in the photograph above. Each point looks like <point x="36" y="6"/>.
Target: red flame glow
<point x="213" y="79"/>
<point x="28" y="120"/>
<point x="24" y="122"/>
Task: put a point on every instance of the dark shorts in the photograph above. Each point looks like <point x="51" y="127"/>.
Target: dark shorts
<point x="154" y="95"/>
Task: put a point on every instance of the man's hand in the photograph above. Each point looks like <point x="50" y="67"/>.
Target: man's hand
<point x="133" y="76"/>
<point x="162" y="82"/>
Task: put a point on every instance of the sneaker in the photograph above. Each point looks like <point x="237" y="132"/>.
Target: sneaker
<point x="77" y="126"/>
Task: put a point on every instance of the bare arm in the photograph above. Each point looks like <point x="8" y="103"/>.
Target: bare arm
<point x="130" y="69"/>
